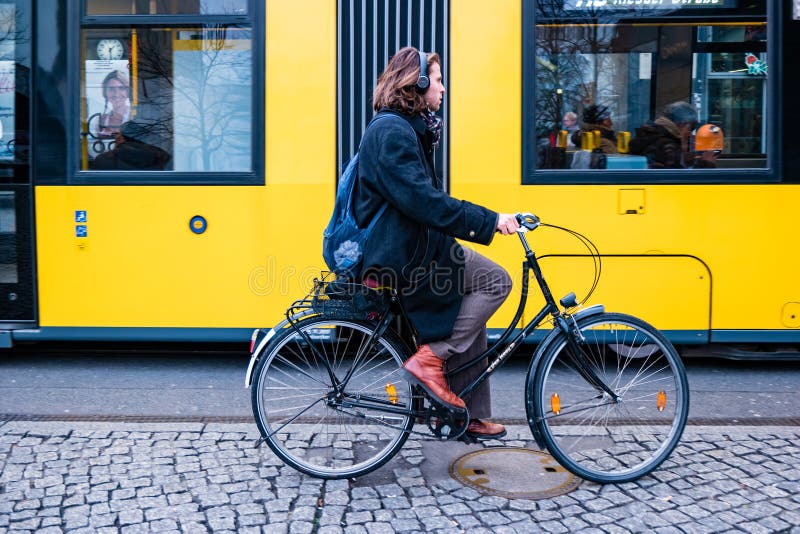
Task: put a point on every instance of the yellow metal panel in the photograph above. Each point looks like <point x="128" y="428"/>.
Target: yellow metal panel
<point x="631" y="201"/>
<point x="141" y="265"/>
<point x="301" y="91"/>
<point x="681" y="282"/>
<point x="485" y="91"/>
<point x="743" y="233"/>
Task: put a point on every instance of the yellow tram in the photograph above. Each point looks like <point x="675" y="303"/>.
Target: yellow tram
<point x="241" y="112"/>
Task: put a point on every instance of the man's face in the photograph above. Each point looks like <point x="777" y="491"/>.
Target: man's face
<point x="686" y="129"/>
<point x="435" y="93"/>
<point x="569" y="121"/>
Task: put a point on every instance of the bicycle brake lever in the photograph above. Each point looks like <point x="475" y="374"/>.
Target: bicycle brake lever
<point x="528" y="220"/>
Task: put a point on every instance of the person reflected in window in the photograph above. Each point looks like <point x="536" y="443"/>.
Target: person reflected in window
<point x="131" y="152"/>
<point x="598" y="118"/>
<point x="117" y="108"/>
<point x="570" y="124"/>
<point x="665" y="142"/>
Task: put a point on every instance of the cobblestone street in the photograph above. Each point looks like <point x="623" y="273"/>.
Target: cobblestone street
<point x="195" y="477"/>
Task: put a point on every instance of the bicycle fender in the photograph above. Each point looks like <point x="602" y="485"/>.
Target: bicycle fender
<point x="534" y="368"/>
<point x="263" y="341"/>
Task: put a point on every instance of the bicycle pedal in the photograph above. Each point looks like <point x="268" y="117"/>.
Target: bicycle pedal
<point x="445" y="408"/>
<point x="439" y="405"/>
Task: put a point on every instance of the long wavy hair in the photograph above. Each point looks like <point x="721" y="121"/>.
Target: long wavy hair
<point x="397" y="85"/>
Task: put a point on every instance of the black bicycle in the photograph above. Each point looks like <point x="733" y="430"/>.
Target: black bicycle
<point x="606" y="393"/>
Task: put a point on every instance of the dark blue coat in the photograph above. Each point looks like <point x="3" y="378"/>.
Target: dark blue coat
<point x="412" y="247"/>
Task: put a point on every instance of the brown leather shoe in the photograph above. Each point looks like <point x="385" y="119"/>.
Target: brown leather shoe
<point x="485" y="430"/>
<point x="426" y="369"/>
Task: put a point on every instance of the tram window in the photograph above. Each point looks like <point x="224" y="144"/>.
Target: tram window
<point x="682" y="90"/>
<point x="14" y="133"/>
<point x="166" y="7"/>
<point x="167" y="99"/>
<point x="8" y="237"/>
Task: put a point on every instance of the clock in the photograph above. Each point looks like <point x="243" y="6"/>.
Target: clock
<point x="110" y="49"/>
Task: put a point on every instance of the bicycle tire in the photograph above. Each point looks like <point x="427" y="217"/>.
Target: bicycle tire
<point x="292" y="387"/>
<point x="584" y="429"/>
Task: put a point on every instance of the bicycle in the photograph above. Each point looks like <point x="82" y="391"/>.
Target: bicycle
<point x="606" y="393"/>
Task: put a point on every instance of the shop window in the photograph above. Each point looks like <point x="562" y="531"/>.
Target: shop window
<point x="621" y="88"/>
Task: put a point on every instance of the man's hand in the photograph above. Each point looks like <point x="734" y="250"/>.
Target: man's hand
<point x="507" y="223"/>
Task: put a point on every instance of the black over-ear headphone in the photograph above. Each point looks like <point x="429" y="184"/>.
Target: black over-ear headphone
<point x="423" y="82"/>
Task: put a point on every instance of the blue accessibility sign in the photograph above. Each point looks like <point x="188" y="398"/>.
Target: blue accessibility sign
<point x="80" y="230"/>
<point x="80" y="216"/>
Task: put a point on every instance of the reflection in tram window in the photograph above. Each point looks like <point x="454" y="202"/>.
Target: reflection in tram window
<point x="637" y="68"/>
<point x="7" y="81"/>
<point x="188" y="90"/>
<point x="166" y="7"/>
<point x="8" y="245"/>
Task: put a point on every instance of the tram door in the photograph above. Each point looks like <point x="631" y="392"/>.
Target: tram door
<point x="16" y="201"/>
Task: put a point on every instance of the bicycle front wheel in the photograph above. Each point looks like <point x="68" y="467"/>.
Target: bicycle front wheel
<point x="331" y="403"/>
<point x="586" y="430"/>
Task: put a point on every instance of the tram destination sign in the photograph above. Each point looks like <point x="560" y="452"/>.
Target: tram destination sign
<point x="647" y="4"/>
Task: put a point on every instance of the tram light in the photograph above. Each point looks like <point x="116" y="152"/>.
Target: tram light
<point x="661" y="400"/>
<point x="391" y="391"/>
<point x="555" y="404"/>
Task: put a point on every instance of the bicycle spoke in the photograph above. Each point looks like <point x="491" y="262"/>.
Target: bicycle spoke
<point x="318" y="436"/>
<point x="600" y="438"/>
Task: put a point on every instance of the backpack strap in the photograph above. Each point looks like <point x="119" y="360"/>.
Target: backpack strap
<point x="382" y="209"/>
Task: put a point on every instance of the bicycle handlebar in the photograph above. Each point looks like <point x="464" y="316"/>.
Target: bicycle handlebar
<point x="527" y="221"/>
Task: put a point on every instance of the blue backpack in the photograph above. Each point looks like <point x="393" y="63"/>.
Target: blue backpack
<point x="343" y="240"/>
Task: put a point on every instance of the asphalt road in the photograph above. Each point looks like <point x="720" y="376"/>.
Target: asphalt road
<point x="191" y="384"/>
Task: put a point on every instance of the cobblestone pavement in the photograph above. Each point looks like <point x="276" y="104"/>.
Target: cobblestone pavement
<point x="193" y="477"/>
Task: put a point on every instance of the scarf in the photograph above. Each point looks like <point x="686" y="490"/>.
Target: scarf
<point x="433" y="123"/>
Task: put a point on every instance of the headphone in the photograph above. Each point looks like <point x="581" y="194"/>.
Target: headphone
<point x="423" y="82"/>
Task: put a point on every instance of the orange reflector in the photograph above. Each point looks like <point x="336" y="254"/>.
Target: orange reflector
<point x="555" y="404"/>
<point x="661" y="401"/>
<point x="391" y="391"/>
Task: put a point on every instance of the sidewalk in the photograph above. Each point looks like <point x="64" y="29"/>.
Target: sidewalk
<point x="194" y="477"/>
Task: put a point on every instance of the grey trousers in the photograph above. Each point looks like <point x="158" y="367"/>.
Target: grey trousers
<point x="486" y="286"/>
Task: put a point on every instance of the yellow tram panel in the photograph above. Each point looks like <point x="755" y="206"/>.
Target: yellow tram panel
<point x="142" y="266"/>
<point x="738" y="232"/>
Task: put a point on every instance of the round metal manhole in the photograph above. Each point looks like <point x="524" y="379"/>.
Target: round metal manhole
<point x="513" y="473"/>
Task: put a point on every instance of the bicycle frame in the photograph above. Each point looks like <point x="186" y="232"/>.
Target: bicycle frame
<point x="565" y="323"/>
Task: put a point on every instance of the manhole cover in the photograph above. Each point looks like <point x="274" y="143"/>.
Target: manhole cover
<point x="513" y="473"/>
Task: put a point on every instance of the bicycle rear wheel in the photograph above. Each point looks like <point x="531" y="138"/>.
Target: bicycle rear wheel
<point x="584" y="428"/>
<point x="322" y="430"/>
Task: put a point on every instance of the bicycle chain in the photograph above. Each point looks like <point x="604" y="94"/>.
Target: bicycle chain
<point x="261" y="440"/>
<point x="384" y="423"/>
<point x="359" y="415"/>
